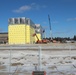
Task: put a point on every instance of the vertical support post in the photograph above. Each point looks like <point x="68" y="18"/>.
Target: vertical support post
<point x="39" y="58"/>
<point x="70" y="52"/>
<point x="10" y="62"/>
<point x="70" y="58"/>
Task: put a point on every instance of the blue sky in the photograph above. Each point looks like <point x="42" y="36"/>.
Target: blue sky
<point x="62" y="14"/>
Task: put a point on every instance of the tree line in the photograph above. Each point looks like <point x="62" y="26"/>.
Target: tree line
<point x="63" y="39"/>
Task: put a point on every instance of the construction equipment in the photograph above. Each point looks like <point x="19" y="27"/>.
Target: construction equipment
<point x="51" y="40"/>
<point x="43" y="41"/>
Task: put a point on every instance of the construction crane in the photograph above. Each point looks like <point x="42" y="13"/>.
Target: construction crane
<point x="50" y="27"/>
<point x="53" y="41"/>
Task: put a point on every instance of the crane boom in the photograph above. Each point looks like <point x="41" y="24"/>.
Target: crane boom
<point x="36" y="36"/>
<point x="50" y="27"/>
<point x="49" y="22"/>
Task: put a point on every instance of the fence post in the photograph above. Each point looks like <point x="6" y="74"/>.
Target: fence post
<point x="40" y="58"/>
<point x="10" y="61"/>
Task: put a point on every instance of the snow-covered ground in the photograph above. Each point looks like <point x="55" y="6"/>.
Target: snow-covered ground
<point x="23" y="62"/>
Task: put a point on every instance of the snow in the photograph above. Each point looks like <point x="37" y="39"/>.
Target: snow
<point x="54" y="62"/>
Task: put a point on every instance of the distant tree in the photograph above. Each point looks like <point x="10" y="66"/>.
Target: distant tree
<point x="68" y="38"/>
<point x="74" y="37"/>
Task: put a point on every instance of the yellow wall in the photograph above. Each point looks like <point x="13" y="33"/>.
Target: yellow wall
<point x="20" y="34"/>
<point x="27" y="34"/>
<point x="16" y="34"/>
<point x="32" y="31"/>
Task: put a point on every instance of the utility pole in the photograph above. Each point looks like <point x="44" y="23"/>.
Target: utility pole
<point x="50" y="27"/>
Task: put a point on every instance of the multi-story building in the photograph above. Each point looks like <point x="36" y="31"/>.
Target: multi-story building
<point x="39" y="32"/>
<point x="20" y="31"/>
<point x="3" y="37"/>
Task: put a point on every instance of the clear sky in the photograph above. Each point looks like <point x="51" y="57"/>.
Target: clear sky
<point x="62" y="14"/>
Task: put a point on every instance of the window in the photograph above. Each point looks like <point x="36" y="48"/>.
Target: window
<point x="11" y="21"/>
<point x="16" y="21"/>
<point x="22" y="21"/>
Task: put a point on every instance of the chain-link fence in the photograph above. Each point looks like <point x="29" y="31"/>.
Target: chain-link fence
<point x="23" y="60"/>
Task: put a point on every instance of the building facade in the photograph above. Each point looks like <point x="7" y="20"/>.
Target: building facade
<point x="3" y="37"/>
<point x="20" y="31"/>
<point x="39" y="32"/>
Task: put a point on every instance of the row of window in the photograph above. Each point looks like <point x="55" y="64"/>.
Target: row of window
<point x="21" y="21"/>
